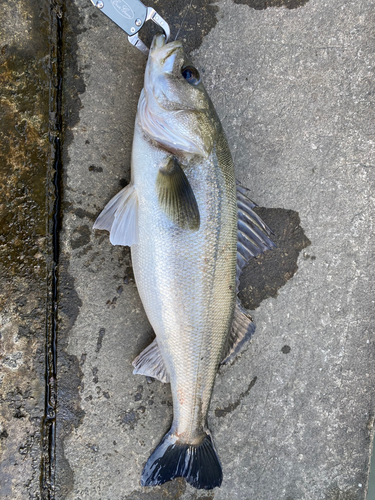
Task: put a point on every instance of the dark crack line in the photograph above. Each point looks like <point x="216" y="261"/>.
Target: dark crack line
<point x="49" y="421"/>
<point x="222" y="412"/>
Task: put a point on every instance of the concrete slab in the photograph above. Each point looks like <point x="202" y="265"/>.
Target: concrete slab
<point x="26" y="159"/>
<point x="293" y="417"/>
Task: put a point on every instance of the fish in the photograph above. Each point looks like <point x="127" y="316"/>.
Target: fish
<point x="192" y="229"/>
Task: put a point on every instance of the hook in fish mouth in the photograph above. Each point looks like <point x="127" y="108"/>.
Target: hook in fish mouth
<point x="158" y="41"/>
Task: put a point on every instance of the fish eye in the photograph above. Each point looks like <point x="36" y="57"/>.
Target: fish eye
<point x="191" y="75"/>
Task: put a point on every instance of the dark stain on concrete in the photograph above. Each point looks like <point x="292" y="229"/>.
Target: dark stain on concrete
<point x="222" y="412"/>
<point x="208" y="496"/>
<point x="130" y="418"/>
<point x="129" y="276"/>
<point x="4" y="434"/>
<point x="95" y="375"/>
<point x="99" y="342"/>
<point x="81" y="237"/>
<point x="171" y="490"/>
<point x="93" y="168"/>
<point x="79" y="212"/>
<point x="69" y="381"/>
<point x="194" y="21"/>
<point x="285" y="349"/>
<point x="264" y="4"/>
<point x="265" y="275"/>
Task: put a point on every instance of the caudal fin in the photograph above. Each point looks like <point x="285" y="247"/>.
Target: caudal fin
<point x="198" y="464"/>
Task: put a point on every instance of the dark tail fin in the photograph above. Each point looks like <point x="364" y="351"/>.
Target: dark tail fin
<point x="198" y="464"/>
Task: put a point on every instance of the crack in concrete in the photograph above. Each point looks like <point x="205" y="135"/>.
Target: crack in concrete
<point x="264" y="4"/>
<point x="222" y="412"/>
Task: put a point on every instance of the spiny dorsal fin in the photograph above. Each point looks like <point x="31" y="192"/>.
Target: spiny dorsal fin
<point x="120" y="217"/>
<point x="176" y="197"/>
<point x="253" y="234"/>
<point x="241" y="331"/>
<point x="150" y="363"/>
<point x="253" y="238"/>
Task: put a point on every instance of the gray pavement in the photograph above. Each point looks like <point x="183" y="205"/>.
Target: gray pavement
<point x="292" y="417"/>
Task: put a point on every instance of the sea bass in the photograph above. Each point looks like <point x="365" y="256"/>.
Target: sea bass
<point x="191" y="230"/>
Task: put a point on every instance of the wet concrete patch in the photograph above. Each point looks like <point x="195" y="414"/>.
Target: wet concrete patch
<point x="189" y="21"/>
<point x="26" y="197"/>
<point x="81" y="237"/>
<point x="264" y="4"/>
<point x="264" y="276"/>
<point x="24" y="154"/>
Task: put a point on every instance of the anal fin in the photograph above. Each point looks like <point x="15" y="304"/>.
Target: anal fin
<point x="150" y="363"/>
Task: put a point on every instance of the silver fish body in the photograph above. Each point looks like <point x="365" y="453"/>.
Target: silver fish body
<point x="186" y="279"/>
<point x="180" y="216"/>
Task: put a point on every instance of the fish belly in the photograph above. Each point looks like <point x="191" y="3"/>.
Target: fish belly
<point x="186" y="279"/>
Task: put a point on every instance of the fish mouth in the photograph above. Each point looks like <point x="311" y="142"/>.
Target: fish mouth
<point x="159" y="42"/>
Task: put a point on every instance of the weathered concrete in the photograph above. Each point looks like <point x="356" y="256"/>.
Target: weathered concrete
<point x="26" y="159"/>
<point x="292" y="417"/>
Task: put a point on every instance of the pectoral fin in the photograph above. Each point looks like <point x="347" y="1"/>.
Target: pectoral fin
<point x="176" y="197"/>
<point x="120" y="217"/>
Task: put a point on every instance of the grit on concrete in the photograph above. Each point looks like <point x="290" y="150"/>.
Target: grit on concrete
<point x="292" y="417"/>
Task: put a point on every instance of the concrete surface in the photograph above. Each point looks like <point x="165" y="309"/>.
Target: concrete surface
<point x="26" y="160"/>
<point x="292" y="417"/>
<point x="371" y="486"/>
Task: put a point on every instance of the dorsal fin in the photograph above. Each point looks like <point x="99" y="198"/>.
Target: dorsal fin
<point x="253" y="238"/>
<point x="242" y="330"/>
<point x="253" y="234"/>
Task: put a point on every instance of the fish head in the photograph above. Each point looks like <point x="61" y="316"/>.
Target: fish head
<point x="175" y="109"/>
